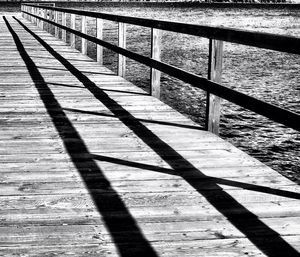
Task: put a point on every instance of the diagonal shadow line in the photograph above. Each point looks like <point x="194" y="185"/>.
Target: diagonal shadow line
<point x="140" y="120"/>
<point x="245" y="221"/>
<point x="81" y="87"/>
<point x="40" y="57"/>
<point x="64" y="85"/>
<point x="107" y="90"/>
<point x="88" y="72"/>
<point x="134" y="164"/>
<point x="257" y="188"/>
<point x="133" y="232"/>
<point x="129" y="92"/>
<point x="195" y="175"/>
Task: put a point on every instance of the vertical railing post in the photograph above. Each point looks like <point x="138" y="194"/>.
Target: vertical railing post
<point x="214" y="74"/>
<point x="41" y="14"/>
<point x="83" y="30"/>
<point x="46" y="17"/>
<point x="64" y="23"/>
<point x="52" y="18"/>
<point x="49" y="18"/>
<point x="73" y="26"/>
<point x="26" y="15"/>
<point x="36" y="14"/>
<point x="56" y="18"/>
<point x="32" y="12"/>
<point x="44" y="12"/>
<point x="34" y="19"/>
<point x="52" y="27"/>
<point x="28" y="10"/>
<point x="155" y="54"/>
<point x="99" y="24"/>
<point x="30" y="17"/>
<point x="122" y="43"/>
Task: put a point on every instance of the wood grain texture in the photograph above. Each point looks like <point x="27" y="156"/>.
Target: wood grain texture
<point x="213" y="103"/>
<point x="73" y="26"/>
<point x="93" y="166"/>
<point x="156" y="35"/>
<point x="99" y="34"/>
<point x="56" y="19"/>
<point x="64" y="23"/>
<point x="121" y="43"/>
<point x="84" y="30"/>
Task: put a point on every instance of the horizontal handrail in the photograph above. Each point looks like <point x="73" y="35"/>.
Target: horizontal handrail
<point x="269" y="41"/>
<point x="278" y="114"/>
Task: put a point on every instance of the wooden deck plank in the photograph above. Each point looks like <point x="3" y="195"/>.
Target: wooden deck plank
<point x="93" y="166"/>
<point x="209" y="248"/>
<point x="178" y="231"/>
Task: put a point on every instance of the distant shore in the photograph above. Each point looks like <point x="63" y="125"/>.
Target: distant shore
<point x="75" y="4"/>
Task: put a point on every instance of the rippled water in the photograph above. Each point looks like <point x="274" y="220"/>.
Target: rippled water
<point x="268" y="75"/>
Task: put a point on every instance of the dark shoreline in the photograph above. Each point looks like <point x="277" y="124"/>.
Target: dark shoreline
<point x="163" y="4"/>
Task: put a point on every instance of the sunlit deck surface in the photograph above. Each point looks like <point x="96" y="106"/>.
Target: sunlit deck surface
<point x="93" y="166"/>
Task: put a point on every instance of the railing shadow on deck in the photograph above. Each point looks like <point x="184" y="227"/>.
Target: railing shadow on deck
<point x="88" y="61"/>
<point x="194" y="174"/>
<point x="86" y="71"/>
<point x="264" y="238"/>
<point x="113" y="224"/>
<point x="167" y="123"/>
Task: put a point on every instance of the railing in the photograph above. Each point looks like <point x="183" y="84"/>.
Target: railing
<point x="216" y="35"/>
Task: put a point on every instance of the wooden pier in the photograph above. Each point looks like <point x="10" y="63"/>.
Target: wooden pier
<point x="91" y="165"/>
